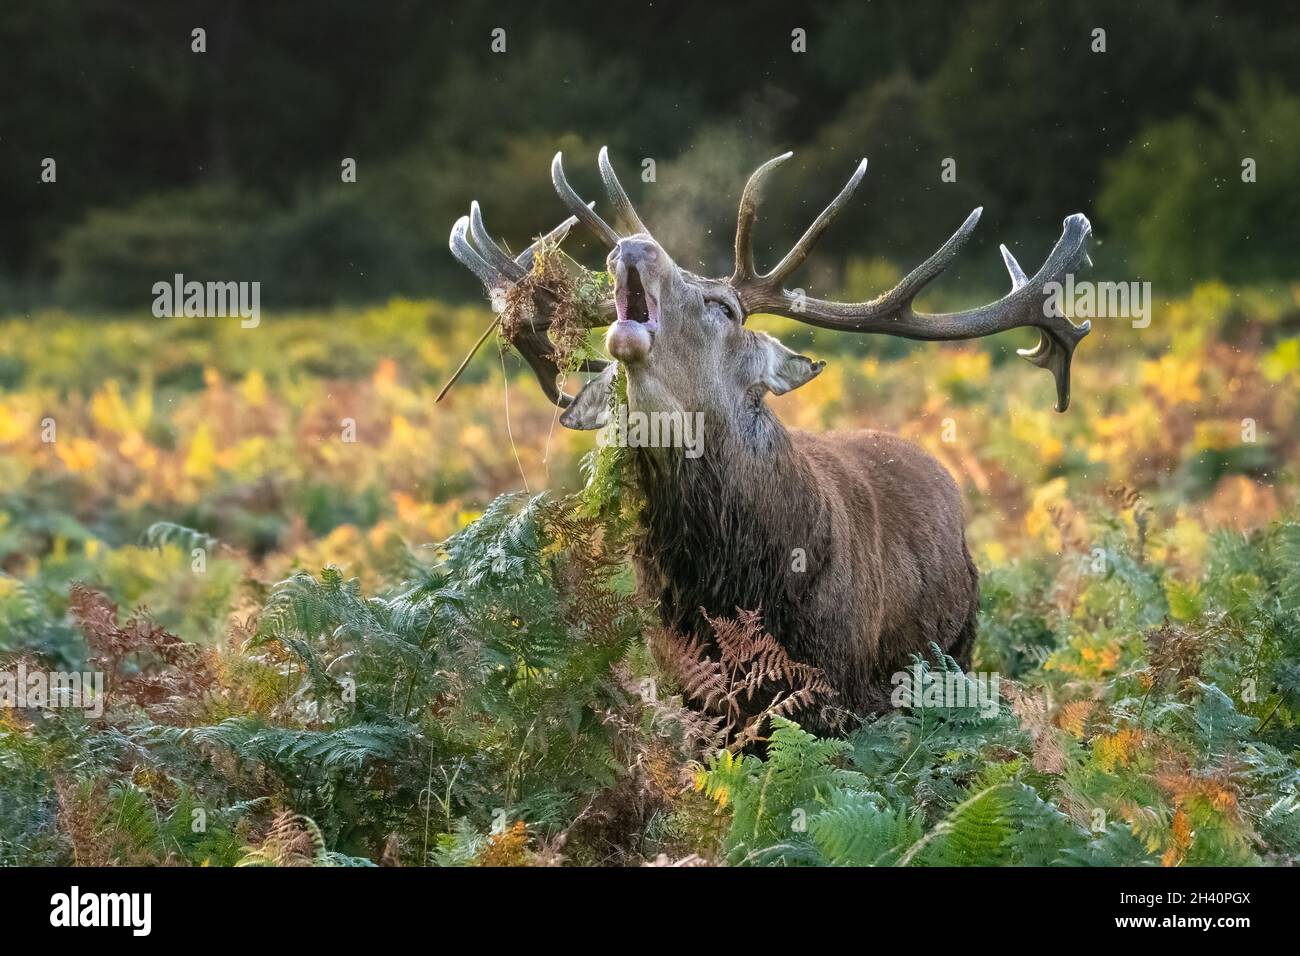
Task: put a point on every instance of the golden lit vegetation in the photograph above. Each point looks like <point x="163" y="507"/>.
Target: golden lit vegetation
<point x="485" y="701"/>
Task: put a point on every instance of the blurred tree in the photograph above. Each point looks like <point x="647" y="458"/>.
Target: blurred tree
<point x="1183" y="205"/>
<point x="1009" y="88"/>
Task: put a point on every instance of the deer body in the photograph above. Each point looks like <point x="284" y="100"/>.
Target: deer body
<point x="851" y="545"/>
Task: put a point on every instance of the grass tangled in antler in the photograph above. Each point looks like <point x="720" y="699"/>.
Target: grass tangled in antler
<point x="572" y="295"/>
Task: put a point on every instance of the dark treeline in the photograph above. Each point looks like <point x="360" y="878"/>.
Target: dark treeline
<point x="226" y="163"/>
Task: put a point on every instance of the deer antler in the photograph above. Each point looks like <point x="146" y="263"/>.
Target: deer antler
<point x="583" y="212"/>
<point x="892" y="313"/>
<point x="474" y="247"/>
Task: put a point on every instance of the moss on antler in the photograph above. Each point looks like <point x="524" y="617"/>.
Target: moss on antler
<point x="577" y="293"/>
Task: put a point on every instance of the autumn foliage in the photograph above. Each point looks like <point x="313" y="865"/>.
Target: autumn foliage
<point x="329" y="639"/>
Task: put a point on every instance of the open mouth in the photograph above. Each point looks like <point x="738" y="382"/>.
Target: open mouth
<point x="634" y="303"/>
<point x="635" y="308"/>
<point x="632" y="335"/>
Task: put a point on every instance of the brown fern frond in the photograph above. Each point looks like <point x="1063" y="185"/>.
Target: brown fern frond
<point x="1218" y="787"/>
<point x="1176" y="652"/>
<point x="548" y="273"/>
<point x="170" y="674"/>
<point x="1034" y="712"/>
<point x="584" y="564"/>
<point x="1073" y="718"/>
<point x="743" y="676"/>
<point x="686" y="660"/>
<point x="293" y="840"/>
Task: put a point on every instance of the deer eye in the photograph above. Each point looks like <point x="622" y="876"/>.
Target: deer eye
<point x="722" y="307"/>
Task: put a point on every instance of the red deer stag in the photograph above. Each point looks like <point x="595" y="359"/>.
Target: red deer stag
<point x="852" y="544"/>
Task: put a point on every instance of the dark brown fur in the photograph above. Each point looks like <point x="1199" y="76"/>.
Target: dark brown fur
<point x="880" y="521"/>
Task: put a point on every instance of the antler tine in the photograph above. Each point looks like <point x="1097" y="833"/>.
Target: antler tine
<point x="493" y="253"/>
<point x="624" y="211"/>
<point x="469" y="257"/>
<point x="901" y="295"/>
<point x="796" y="256"/>
<point x="485" y="257"/>
<point x="554" y="237"/>
<point x="584" y="213"/>
<point x="1055" y="347"/>
<point x="1018" y="277"/>
<point x="745" y="217"/>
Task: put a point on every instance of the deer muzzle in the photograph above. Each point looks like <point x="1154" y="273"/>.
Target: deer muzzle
<point x="635" y="264"/>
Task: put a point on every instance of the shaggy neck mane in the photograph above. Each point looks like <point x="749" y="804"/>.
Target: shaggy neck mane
<point x="721" y="529"/>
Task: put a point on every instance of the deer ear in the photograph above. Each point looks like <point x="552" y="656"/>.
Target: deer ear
<point x="787" y="370"/>
<point x="590" y="410"/>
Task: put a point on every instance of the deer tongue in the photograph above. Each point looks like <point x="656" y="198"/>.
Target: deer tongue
<point x="629" y="341"/>
<point x="630" y="299"/>
<point x="631" y="336"/>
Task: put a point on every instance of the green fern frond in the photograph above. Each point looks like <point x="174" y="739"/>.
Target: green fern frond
<point x="162" y="533"/>
<point x="858" y="829"/>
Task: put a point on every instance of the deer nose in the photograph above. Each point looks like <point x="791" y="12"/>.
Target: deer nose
<point x="635" y="253"/>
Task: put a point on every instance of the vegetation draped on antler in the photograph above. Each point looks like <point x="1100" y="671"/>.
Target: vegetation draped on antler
<point x="536" y="297"/>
